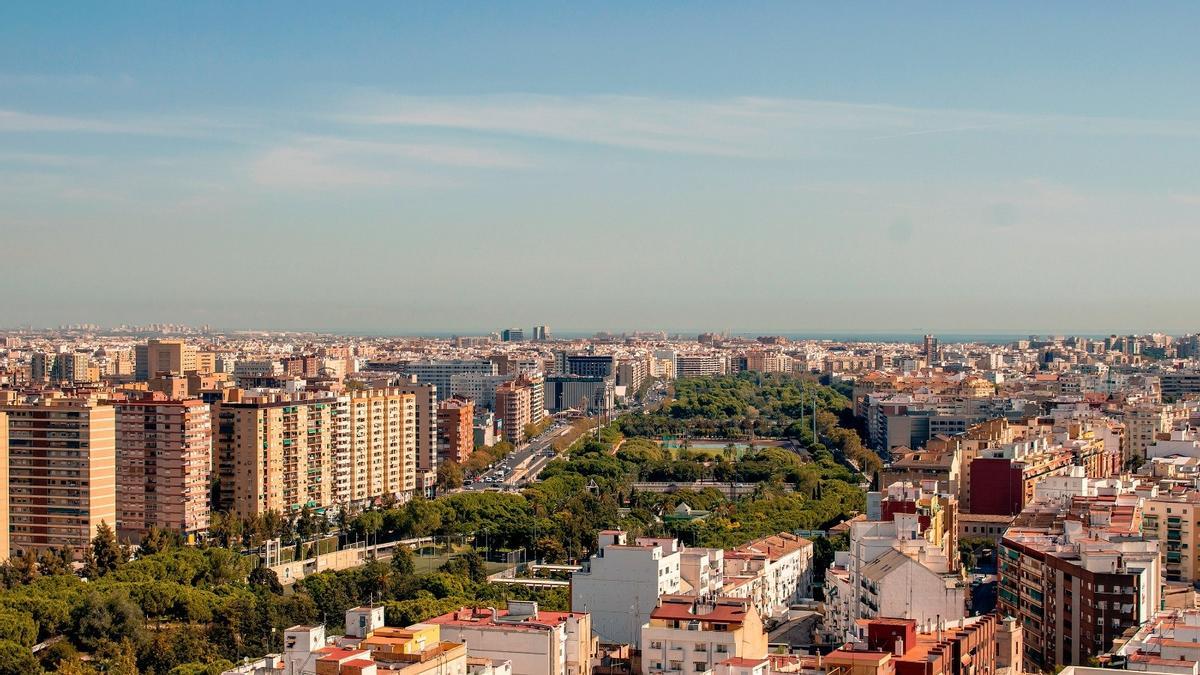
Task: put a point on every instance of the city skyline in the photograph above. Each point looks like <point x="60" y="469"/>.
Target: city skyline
<point x="428" y="168"/>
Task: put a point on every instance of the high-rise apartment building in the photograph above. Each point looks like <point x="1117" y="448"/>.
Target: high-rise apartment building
<point x="931" y="349"/>
<point x="541" y="333"/>
<point x="456" y="430"/>
<point x="699" y="365"/>
<point x="173" y="357"/>
<point x="278" y="452"/>
<point x="631" y="373"/>
<point x="62" y="472"/>
<point x="512" y="407"/>
<point x="4" y="509"/>
<point x="520" y="402"/>
<point x="427" y="456"/>
<point x="382" y="450"/>
<point x="164" y="460"/>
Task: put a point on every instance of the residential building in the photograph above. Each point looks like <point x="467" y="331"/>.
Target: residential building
<point x="62" y="472"/>
<point x="164" y="462"/>
<point x="894" y="570"/>
<point x="426" y="399"/>
<point x="1077" y="573"/>
<point x="276" y="451"/>
<point x="631" y="373"/>
<point x="773" y="572"/>
<point x="519" y="403"/>
<point x="1168" y="643"/>
<point x="699" y="365"/>
<point x="620" y="584"/>
<point x="537" y="642"/>
<point x="888" y="646"/>
<point x="173" y="357"/>
<point x="1173" y="520"/>
<point x="5" y="551"/>
<point x="693" y="635"/>
<point x="381" y="450"/>
<point x="456" y="435"/>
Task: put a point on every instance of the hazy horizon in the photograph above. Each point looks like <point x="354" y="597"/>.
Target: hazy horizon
<point x="837" y="168"/>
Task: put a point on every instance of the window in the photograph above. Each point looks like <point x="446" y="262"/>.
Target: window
<point x="700" y="666"/>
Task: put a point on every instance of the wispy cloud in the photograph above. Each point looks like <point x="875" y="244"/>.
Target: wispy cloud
<point x="733" y="127"/>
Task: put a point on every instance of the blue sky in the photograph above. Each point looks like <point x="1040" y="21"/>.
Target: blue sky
<point x="754" y="166"/>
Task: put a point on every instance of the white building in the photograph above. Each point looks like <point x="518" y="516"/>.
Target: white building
<point x="620" y="584"/>
<point x="535" y="642"/>
<point x="688" y="635"/>
<point x="775" y="572"/>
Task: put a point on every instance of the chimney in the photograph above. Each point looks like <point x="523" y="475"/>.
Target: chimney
<point x="898" y="646"/>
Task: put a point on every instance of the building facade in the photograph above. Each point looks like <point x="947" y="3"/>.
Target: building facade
<point x="62" y="473"/>
<point x="164" y="462"/>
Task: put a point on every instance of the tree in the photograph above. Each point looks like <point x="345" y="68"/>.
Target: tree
<point x="17" y="627"/>
<point x="106" y="554"/>
<point x="265" y="577"/>
<point x="402" y="561"/>
<point x="25" y="567"/>
<point x="154" y="541"/>
<point x="369" y="522"/>
<point x="449" y="476"/>
<point x="17" y="660"/>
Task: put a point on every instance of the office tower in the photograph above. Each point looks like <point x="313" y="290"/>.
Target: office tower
<point x="174" y="357"/>
<point x="587" y="394"/>
<point x="62" y="472"/>
<point x="438" y="373"/>
<point x="427" y="397"/>
<point x="456" y="434"/>
<point x="541" y="333"/>
<point x="382" y="446"/>
<point x="512" y="335"/>
<point x="591" y="365"/>
<point x="4" y="487"/>
<point x="277" y="452"/>
<point x="931" y="350"/>
<point x="164" y="460"/>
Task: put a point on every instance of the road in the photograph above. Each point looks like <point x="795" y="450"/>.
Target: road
<point x="524" y="465"/>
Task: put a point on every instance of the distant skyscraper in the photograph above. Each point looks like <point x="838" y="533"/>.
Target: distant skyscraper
<point x="931" y="349"/>
<point x="512" y="335"/>
<point x="541" y="333"/>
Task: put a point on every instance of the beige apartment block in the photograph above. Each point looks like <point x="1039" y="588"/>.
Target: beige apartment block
<point x="62" y="472"/>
